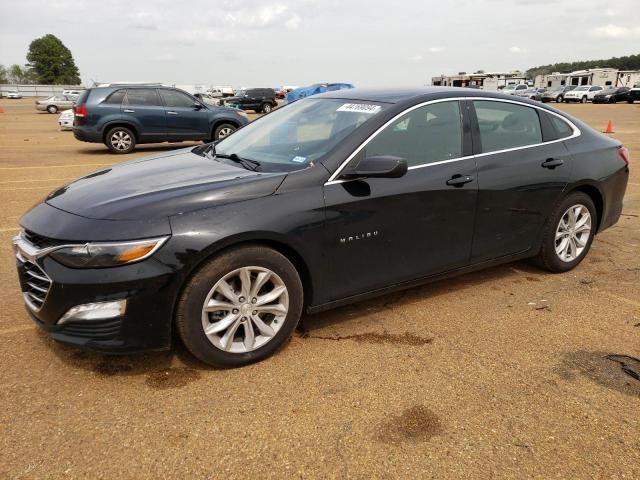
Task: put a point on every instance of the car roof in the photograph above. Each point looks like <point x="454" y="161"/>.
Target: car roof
<point x="402" y="95"/>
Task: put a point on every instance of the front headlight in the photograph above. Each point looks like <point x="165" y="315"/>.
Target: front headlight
<point x="100" y="255"/>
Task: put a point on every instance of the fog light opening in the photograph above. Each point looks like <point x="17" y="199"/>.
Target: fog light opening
<point x="95" y="311"/>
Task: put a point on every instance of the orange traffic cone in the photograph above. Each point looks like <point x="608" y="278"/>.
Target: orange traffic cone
<point x="1" y="110"/>
<point x="609" y="127"/>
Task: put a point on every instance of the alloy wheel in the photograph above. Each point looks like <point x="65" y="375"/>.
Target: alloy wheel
<point x="121" y="140"/>
<point x="573" y="233"/>
<point x="224" y="132"/>
<point x="245" y="309"/>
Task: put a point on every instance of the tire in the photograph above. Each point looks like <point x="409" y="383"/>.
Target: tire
<point x="120" y="140"/>
<point x="52" y="109"/>
<point x="549" y="258"/>
<point x="223" y="130"/>
<point x="229" y="346"/>
<point x="266" y="108"/>
<point x="559" y="99"/>
<point x="583" y="99"/>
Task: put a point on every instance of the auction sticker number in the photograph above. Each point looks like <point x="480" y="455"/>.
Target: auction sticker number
<point x="359" y="108"/>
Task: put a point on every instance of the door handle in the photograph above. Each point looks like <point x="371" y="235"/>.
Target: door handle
<point x="128" y="110"/>
<point x="552" y="163"/>
<point x="459" y="180"/>
<point x="172" y="113"/>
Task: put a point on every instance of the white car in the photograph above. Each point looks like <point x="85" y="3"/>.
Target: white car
<point x="582" y="94"/>
<point x="76" y="93"/>
<point x="65" y="120"/>
<point x="514" y="89"/>
<point x="13" y="94"/>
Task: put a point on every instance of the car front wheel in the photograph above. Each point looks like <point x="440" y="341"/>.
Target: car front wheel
<point x="568" y="233"/>
<point x="52" y="109"/>
<point x="266" y="108"/>
<point x="240" y="307"/>
<point x="222" y="131"/>
<point x="559" y="99"/>
<point x="120" y="140"/>
<point x="584" y="100"/>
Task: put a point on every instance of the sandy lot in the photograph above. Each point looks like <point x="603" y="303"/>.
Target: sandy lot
<point x="502" y="373"/>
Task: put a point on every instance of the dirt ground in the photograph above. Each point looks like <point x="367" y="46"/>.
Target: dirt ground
<point x="502" y="373"/>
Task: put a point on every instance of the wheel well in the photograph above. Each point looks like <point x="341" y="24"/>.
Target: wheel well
<point x="293" y="256"/>
<point x="596" y="197"/>
<point x="119" y="124"/>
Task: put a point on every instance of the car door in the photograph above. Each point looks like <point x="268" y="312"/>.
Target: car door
<point x="384" y="231"/>
<point x="520" y="175"/>
<point x="185" y="121"/>
<point x="143" y="108"/>
<point x="622" y="94"/>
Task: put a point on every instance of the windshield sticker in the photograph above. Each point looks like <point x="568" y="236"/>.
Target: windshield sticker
<point x="299" y="159"/>
<point x="359" y="108"/>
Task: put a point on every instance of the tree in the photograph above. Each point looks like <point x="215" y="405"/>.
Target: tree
<point x="52" y="62"/>
<point x="4" y="74"/>
<point x="631" y="62"/>
<point x="17" y="74"/>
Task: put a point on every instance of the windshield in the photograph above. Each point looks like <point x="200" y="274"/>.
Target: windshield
<point x="299" y="134"/>
<point x="241" y="93"/>
<point x="581" y="89"/>
<point x="609" y="91"/>
<point x="510" y="87"/>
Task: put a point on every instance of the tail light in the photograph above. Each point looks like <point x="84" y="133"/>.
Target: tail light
<point x="80" y="111"/>
<point x="624" y="154"/>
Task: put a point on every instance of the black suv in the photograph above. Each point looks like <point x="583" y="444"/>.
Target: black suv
<point x="121" y="116"/>
<point x="261" y="100"/>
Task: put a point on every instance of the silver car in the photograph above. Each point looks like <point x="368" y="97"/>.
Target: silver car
<point x="55" y="103"/>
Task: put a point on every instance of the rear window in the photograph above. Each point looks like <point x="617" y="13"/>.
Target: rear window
<point x="142" y="96"/>
<point x="506" y="125"/>
<point x="116" y="97"/>
<point x="83" y="97"/>
<point x="563" y="129"/>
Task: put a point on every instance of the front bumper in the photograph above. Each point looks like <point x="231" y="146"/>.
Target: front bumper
<point x="51" y="289"/>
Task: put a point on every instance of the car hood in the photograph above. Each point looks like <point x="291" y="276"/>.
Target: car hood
<point x="160" y="186"/>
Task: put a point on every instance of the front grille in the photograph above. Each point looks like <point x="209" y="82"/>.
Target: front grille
<point x="41" y="242"/>
<point x="35" y="285"/>
<point x="100" y="329"/>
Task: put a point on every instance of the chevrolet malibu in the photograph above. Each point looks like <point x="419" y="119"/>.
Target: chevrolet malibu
<point x="329" y="200"/>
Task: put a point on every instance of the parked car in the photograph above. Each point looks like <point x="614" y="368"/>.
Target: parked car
<point x="557" y="94"/>
<point x="257" y="99"/>
<point x="612" y="95"/>
<point x="75" y="93"/>
<point x="319" y="204"/>
<point x="634" y="94"/>
<point x="14" y="94"/>
<point x="65" y="120"/>
<point x="123" y="116"/>
<point x="221" y="91"/>
<point x="514" y="89"/>
<point x="315" y="89"/>
<point x="530" y="93"/>
<point x="55" y="103"/>
<point x="582" y="93"/>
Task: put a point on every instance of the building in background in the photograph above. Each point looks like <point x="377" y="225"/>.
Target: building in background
<point x="602" y="77"/>
<point x="484" y="80"/>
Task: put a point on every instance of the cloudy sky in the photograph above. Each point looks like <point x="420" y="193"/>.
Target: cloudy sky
<point x="298" y="42"/>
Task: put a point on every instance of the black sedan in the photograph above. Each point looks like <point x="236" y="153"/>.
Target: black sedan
<point x="612" y="95"/>
<point x="330" y="200"/>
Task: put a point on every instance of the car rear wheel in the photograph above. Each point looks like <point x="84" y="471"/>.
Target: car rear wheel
<point x="222" y="131"/>
<point x="52" y="109"/>
<point x="559" y="99"/>
<point x="120" y="140"/>
<point x="584" y="99"/>
<point x="266" y="108"/>
<point x="240" y="307"/>
<point x="569" y="232"/>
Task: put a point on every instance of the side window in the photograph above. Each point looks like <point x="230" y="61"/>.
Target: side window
<point x="116" y="97"/>
<point x="173" y="99"/>
<point x="146" y="97"/>
<point x="506" y="125"/>
<point x="428" y="134"/>
<point x="562" y="128"/>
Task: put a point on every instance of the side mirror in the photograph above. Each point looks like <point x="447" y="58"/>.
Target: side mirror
<point x="379" y="166"/>
<point x="197" y="106"/>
